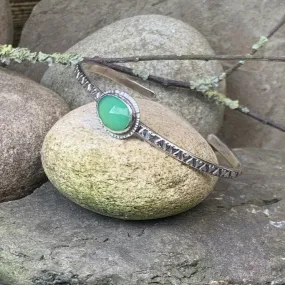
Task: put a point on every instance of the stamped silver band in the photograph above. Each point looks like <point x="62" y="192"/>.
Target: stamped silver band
<point x="151" y="136"/>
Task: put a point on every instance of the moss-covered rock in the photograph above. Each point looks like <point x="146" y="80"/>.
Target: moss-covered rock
<point x="127" y="179"/>
<point x="237" y="235"/>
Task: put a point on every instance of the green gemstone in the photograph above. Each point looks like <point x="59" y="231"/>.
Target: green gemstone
<point x="114" y="113"/>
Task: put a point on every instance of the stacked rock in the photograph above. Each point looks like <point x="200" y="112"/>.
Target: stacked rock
<point x="27" y="111"/>
<point x="124" y="179"/>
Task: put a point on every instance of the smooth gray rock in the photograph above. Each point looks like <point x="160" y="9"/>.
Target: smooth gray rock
<point x="148" y="34"/>
<point x="231" y="27"/>
<point x="237" y="234"/>
<point x="27" y="111"/>
<point x="6" y="24"/>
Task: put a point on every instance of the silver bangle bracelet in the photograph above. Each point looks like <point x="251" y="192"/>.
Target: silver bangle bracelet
<point x="124" y="121"/>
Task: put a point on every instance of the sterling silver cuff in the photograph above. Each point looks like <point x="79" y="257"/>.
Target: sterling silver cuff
<point x="123" y="120"/>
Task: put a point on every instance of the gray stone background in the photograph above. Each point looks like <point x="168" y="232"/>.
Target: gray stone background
<point x="231" y="27"/>
<point x="236" y="235"/>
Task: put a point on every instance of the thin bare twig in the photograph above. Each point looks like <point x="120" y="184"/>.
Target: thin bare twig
<point x="166" y="82"/>
<point x="7" y="53"/>
<point x="241" y="58"/>
<point x="188" y="57"/>
<point x="174" y="83"/>
<point x="229" y="71"/>
<point x="264" y="121"/>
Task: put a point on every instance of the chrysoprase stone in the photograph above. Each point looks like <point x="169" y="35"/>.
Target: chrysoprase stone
<point x="114" y="113"/>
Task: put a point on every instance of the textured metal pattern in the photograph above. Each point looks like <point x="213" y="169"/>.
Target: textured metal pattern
<point x="148" y="135"/>
<point x="85" y="81"/>
<point x="184" y="156"/>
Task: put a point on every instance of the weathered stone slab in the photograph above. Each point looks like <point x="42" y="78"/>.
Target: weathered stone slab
<point x="237" y="234"/>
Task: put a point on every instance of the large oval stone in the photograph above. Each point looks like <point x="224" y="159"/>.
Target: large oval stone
<point x="27" y="111"/>
<point x="148" y="35"/>
<point x="127" y="179"/>
<point x="114" y="113"/>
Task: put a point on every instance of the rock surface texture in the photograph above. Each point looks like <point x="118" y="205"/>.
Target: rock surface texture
<point x="127" y="179"/>
<point x="231" y="27"/>
<point x="149" y="34"/>
<point x="27" y="111"/>
<point x="6" y="25"/>
<point x="237" y="234"/>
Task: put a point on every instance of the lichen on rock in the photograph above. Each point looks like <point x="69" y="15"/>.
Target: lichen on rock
<point x="127" y="179"/>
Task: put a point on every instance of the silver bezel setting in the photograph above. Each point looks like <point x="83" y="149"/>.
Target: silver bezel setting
<point x="134" y="111"/>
